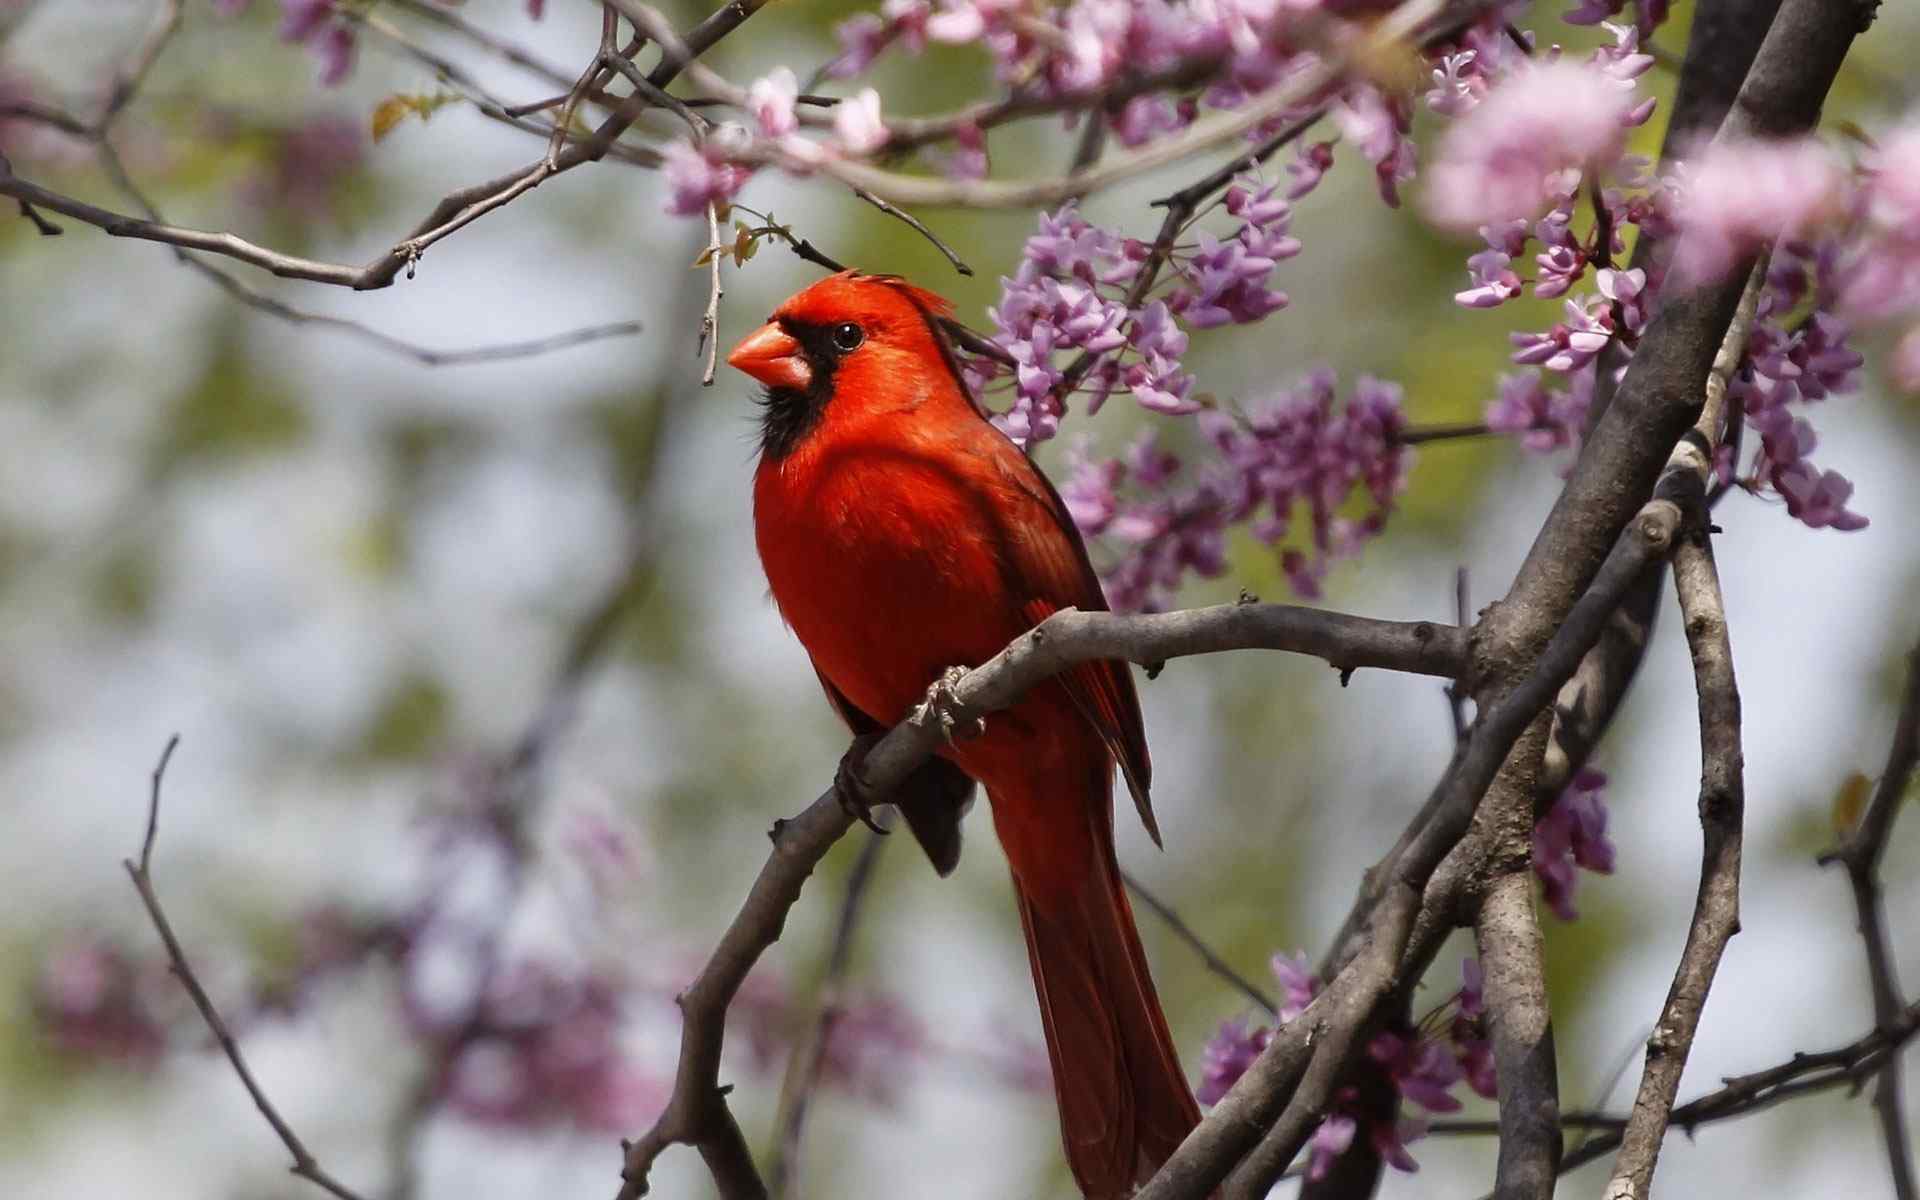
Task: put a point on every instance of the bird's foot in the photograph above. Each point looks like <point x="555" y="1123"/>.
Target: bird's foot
<point x="943" y="705"/>
<point x="850" y="784"/>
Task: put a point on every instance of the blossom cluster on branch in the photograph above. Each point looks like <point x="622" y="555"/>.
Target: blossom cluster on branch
<point x="1418" y="1064"/>
<point x="1535" y="162"/>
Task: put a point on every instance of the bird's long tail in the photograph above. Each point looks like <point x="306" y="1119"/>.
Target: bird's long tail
<point x="1124" y="1101"/>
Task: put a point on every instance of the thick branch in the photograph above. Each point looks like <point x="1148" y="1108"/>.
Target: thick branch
<point x="1665" y="385"/>
<point x="1511" y="947"/>
<point x="1286" y="1090"/>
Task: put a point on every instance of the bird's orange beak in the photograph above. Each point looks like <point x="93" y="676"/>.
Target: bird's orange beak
<point x="771" y="355"/>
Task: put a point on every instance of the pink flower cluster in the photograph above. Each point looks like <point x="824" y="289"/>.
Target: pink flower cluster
<point x="1299" y="452"/>
<point x="1068" y="298"/>
<point x="1572" y="836"/>
<point x="1545" y="419"/>
<point x="1419" y="1065"/>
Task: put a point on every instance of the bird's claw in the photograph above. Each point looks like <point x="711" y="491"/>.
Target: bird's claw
<point x="849" y="783"/>
<point x="943" y="705"/>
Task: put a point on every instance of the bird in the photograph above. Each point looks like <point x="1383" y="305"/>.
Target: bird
<point x="904" y="535"/>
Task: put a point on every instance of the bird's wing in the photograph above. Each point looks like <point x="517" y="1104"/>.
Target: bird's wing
<point x="1049" y="562"/>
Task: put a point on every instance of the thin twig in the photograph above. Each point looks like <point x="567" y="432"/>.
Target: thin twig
<point x="141" y="872"/>
<point x="1848" y="1066"/>
<point x="1456" y="691"/>
<point x="914" y="223"/>
<point x="1860" y="852"/>
<point x="810" y="1053"/>
<point x="1219" y="966"/>
<point x="132" y="73"/>
<point x="709" y="339"/>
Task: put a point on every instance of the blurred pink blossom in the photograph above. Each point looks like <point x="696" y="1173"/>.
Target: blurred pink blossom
<point x="857" y="122"/>
<point x="1494" y="164"/>
<point x="771" y="98"/>
<point x="699" y="175"/>
<point x="1735" y="200"/>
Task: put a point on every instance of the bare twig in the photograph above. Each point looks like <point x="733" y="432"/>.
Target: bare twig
<point x="1717" y="910"/>
<point x="1849" y="1066"/>
<point x="1456" y="691"/>
<point x="141" y="872"/>
<point x="116" y="170"/>
<point x="810" y="1053"/>
<point x="499" y="47"/>
<point x="454" y="212"/>
<point x="1214" y="963"/>
<point x="132" y="73"/>
<point x="914" y="223"/>
<point x="1860" y="852"/>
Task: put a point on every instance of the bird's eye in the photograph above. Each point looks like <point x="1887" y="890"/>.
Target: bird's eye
<point x="847" y="336"/>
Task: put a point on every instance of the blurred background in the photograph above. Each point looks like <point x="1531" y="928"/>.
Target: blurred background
<point x="352" y="584"/>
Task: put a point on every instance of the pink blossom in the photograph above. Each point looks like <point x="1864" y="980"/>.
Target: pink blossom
<point x="862" y="38"/>
<point x="1735" y="199"/>
<point x="1494" y="281"/>
<point x="857" y="122"/>
<point x="1378" y="124"/>
<point x="1882" y="277"/>
<point x="1330" y="1140"/>
<point x="1423" y="1070"/>
<point x="1458" y="84"/>
<point x="1904" y="366"/>
<point x="90" y="999"/>
<point x="770" y="99"/>
<point x="1818" y="499"/>
<point x="1298" y="984"/>
<point x="1573" y="834"/>
<point x="1496" y="163"/>
<point x="1571" y="344"/>
<point x="698" y="176"/>
<point x="1226" y="1057"/>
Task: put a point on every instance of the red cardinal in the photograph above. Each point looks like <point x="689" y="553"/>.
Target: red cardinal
<point x="902" y="535"/>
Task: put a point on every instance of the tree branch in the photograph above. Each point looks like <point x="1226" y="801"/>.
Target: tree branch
<point x="697" y="1113"/>
<point x="810" y="1052"/>
<point x="1860" y="852"/>
<point x="141" y="872"/>
<point x="1507" y="931"/>
<point x="1848" y="1066"/>
<point x="1208" y="955"/>
<point x="1403" y="23"/>
<point x="1287" y="1088"/>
